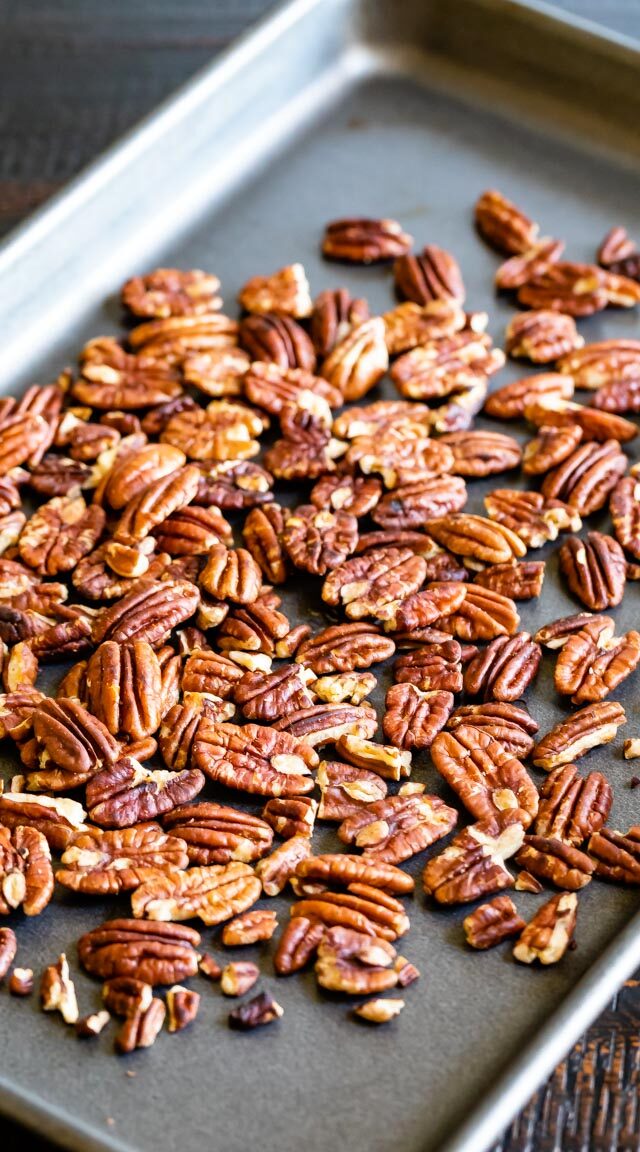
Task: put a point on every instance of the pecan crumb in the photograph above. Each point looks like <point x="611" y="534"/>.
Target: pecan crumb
<point x="21" y="982"/>
<point x="379" y="1011"/>
<point x="92" y="1025"/>
<point x="57" y="991"/>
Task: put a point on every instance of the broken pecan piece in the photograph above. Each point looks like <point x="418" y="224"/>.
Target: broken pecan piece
<point x="556" y="861"/>
<point x="297" y="945"/>
<point x="357" y="362"/>
<point x="473" y="864"/>
<point x="486" y="777"/>
<point x="8" y="949"/>
<point x="105" y="863"/>
<point x="542" y="336"/>
<point x="573" y="737"/>
<point x="276" y="870"/>
<point x="365" y="241"/>
<point x="504" y="669"/>
<point x="254" y="759"/>
<point x="127" y="792"/>
<point x="214" y="893"/>
<point x="26" y="876"/>
<point x="284" y="293"/>
<point x="355" y="963"/>
<point x="346" y="789"/>
<point x="432" y="275"/>
<point x="547" y="937"/>
<point x="491" y="923"/>
<point x="238" y="977"/>
<point x="595" y="569"/>
<point x="398" y="827"/>
<point x="414" y="717"/>
<point x="249" y="928"/>
<point x="261" y="1010"/>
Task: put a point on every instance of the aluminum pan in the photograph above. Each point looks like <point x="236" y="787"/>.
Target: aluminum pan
<point x="339" y="107"/>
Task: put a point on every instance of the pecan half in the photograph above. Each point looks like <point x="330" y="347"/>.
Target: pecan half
<point x="509" y="724"/>
<point x="364" y="241"/>
<point x="105" y="863"/>
<point x="153" y="953"/>
<point x="297" y="945"/>
<point x="503" y="225"/>
<point x="316" y="541"/>
<point x="593" y="661"/>
<point x="556" y="861"/>
<point x="344" y="648"/>
<point x="596" y="423"/>
<point x="358" y="361"/>
<point x="534" y="519"/>
<point x="216" y="834"/>
<point x="214" y="893"/>
<point x="231" y="574"/>
<point x="479" y="540"/>
<point x="346" y="789"/>
<point x="142" y="1029"/>
<point x="595" y="569"/>
<point x="357" y="495"/>
<point x="255" y="627"/>
<point x="21" y="436"/>
<point x="276" y="870"/>
<point x="411" y="505"/>
<point x="616" y="246"/>
<point x="482" y="453"/>
<point x="71" y="746"/>
<point x="430" y="606"/>
<point x="277" y="339"/>
<point x="572" y="808"/>
<point x="181" y="724"/>
<point x="365" y="584"/>
<point x="585" y="478"/>
<point x="233" y="484"/>
<point x="624" y="506"/>
<point x="473" y="864"/>
<point x="414" y="717"/>
<point x="601" y="364"/>
<point x="250" y="928"/>
<point x="448" y="367"/>
<point x="362" y="907"/>
<point x="123" y="688"/>
<point x="547" y="937"/>
<point x="284" y="293"/>
<point x="57" y="817"/>
<point x="432" y="275"/>
<point x="483" y="615"/>
<point x="171" y="292"/>
<point x="26" y="876"/>
<point x="549" y="448"/>
<point x="510" y="401"/>
<point x="217" y="371"/>
<point x="518" y="581"/>
<point x="491" y="923"/>
<point x="266" y="698"/>
<point x="60" y="533"/>
<point x="568" y="288"/>
<point x="430" y="667"/>
<point x="291" y="817"/>
<point x="525" y="266"/>
<point x="127" y="792"/>
<point x="571" y="738"/>
<point x="193" y="531"/>
<point x="342" y="869"/>
<point x="262" y="535"/>
<point x="504" y="669"/>
<point x="326" y="723"/>
<point x="411" y="324"/>
<point x="254" y="759"/>
<point x="487" y="778"/>
<point x="398" y="827"/>
<point x="148" y="612"/>
<point x="542" y="336"/>
<point x="352" y="962"/>
<point x="616" y="855"/>
<point x="334" y="314"/>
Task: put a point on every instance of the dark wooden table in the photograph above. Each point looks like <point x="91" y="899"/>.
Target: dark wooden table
<point x="74" y="77"/>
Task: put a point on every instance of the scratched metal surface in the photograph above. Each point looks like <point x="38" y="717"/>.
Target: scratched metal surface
<point x="405" y="1088"/>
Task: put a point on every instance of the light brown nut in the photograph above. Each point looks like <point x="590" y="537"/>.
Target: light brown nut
<point x="557" y="632"/>
<point x="381" y="417"/>
<point x="586" y="477"/>
<point x="154" y="504"/>
<point x="573" y="737"/>
<point x="398" y="827"/>
<point x="379" y="1011"/>
<point x="277" y="339"/>
<point x="361" y="908"/>
<point x="285" y="293"/>
<point x="568" y="288"/>
<point x="297" y="945"/>
<point x="151" y="952"/>
<point x="249" y="928"/>
<point x="364" y="241"/>
<point x="525" y="882"/>
<point x="123" y="688"/>
<point x="56" y="817"/>
<point x="413" y="717"/>
<point x="92" y="1025"/>
<point x="126" y="995"/>
<point x="345" y="789"/>
<point x="486" y="777"/>
<point x="352" y="962"/>
<point x="209" y="967"/>
<point x="216" y="834"/>
<point x="534" y="519"/>
<point x="126" y="793"/>
<point x="291" y="816"/>
<point x="22" y="436"/>
<point x="274" y="388"/>
<point x="598" y="365"/>
<point x="419" y="610"/>
<point x="572" y="808"/>
<point x="448" y="367"/>
<point x="275" y="870"/>
<point x="594" y="661"/>
<point x="57" y="991"/>
<point x="262" y="535"/>
<point x="594" y="569"/>
<point x="541" y="336"/>
<point x="142" y="1029"/>
<point x="357" y="495"/>
<point x="430" y="667"/>
<point x="216" y="372"/>
<point x="480" y="453"/>
<point x="616" y="855"/>
<point x="19" y="667"/>
<point x="519" y="269"/>
<point x="390" y="762"/>
<point x="105" y="863"/>
<point x="358" y="361"/>
<point x="517" y="580"/>
<point x="193" y="531"/>
<point x="365" y="584"/>
<point x="8" y="949"/>
<point x="504" y="669"/>
<point x="255" y="627"/>
<point x="60" y="533"/>
<point x="344" y="648"/>
<point x="624" y="506"/>
<point x="400" y="455"/>
<point x="340" y="868"/>
<point x="214" y="893"/>
<point x="618" y="396"/>
<point x="254" y="759"/>
<point x="549" y="448"/>
<point x="334" y="314"/>
<point x="316" y="541"/>
<point x="547" y="937"/>
<point x="510" y="401"/>
<point x="135" y="469"/>
<point x="224" y="430"/>
<point x="616" y="246"/>
<point x="596" y="423"/>
<point x="473" y="864"/>
<point x="238" y="977"/>
<point x="148" y="612"/>
<point x="326" y="723"/>
<point x="483" y="615"/>
<point x="26" y="876"/>
<point x="479" y="540"/>
<point x="491" y="923"/>
<point x="411" y="324"/>
<point x="503" y="225"/>
<point x="556" y="861"/>
<point x="631" y="748"/>
<point x="231" y="574"/>
<point x="432" y="275"/>
<point x="350" y="687"/>
<point x="411" y="505"/>
<point x="182" y="1007"/>
<point x="170" y="292"/>
<point x="261" y="1010"/>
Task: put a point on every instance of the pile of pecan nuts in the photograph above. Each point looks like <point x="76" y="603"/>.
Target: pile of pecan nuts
<point x="147" y="522"/>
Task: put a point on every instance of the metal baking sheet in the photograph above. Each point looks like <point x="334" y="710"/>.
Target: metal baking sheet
<point x="337" y="107"/>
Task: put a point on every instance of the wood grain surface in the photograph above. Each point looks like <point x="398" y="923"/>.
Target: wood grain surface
<point x="75" y="75"/>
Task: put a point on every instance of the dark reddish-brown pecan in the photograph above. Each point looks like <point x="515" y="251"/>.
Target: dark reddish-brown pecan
<point x="141" y="1029"/>
<point x="105" y="863"/>
<point x="358" y="361"/>
<point x="342" y="869"/>
<point x="279" y="340"/>
<point x="8" y="949"/>
<point x="510" y="401"/>
<point x="96" y="579"/>
<point x="334" y="314"/>
<point x="616" y="246"/>
<point x="114" y="379"/>
<point x="542" y="336"/>
<point x="486" y="777"/>
<point x="555" y="861"/>
<point x="70" y="746"/>
<point x="409" y="325"/>
<point x="318" y="540"/>
<point x="255" y="1013"/>
<point x="254" y="627"/>
<point x="267" y="698"/>
<point x="585" y="478"/>
<point x="534" y="262"/>
<point x="134" y="470"/>
<point x="547" y="937"/>
<point x="595" y="570"/>
<point x="285" y="293"/>
<point x="572" y="807"/>
<point x="167" y="341"/>
<point x="430" y="667"/>
<point x="357" y="495"/>
<point x="509" y="724"/>
<point x="291" y="816"/>
<point x="473" y="865"/>
<point x="21" y="436"/>
<point x="533" y="518"/>
<point x="618" y="396"/>
<point x="362" y="907"/>
<point x="503" y="225"/>
<point x="411" y="505"/>
<point x="262" y="532"/>
<point x="571" y="738"/>
<point x="491" y="923"/>
<point x="418" y="542"/>
<point x="182" y="1007"/>
<point x="364" y="241"/>
<point x="127" y="793"/>
<point x="171" y="292"/>
<point x="398" y="827"/>
<point x="624" y="506"/>
<point x="483" y="615"/>
<point x="213" y="892"/>
<point x="26" y="875"/>
<point x="593" y="661"/>
<point x="216" y="372"/>
<point x="60" y="533"/>
<point x="192" y="531"/>
<point x="56" y="817"/>
<point x="216" y="834"/>
<point x="346" y="789"/>
<point x="125" y="995"/>
<point x="596" y="424"/>
<point x="180" y="726"/>
<point x="274" y="388"/>
<point x="413" y="717"/>
<point x="233" y="484"/>
<point x="254" y="759"/>
<point x="123" y="688"/>
<point x="148" y="612"/>
<point x="566" y="287"/>
<point x="549" y="448"/>
<point x="482" y="453"/>
<point x="432" y="275"/>
<point x="365" y="584"/>
<point x="598" y="365"/>
<point x="231" y="574"/>
<point x="276" y="870"/>
<point x="616" y="855"/>
<point x="355" y="963"/>
<point x="211" y="672"/>
<point x="326" y="723"/>
<point x="421" y="609"/>
<point x="297" y="945"/>
<point x="151" y="952"/>
<point x="504" y="669"/>
<point x="480" y="540"/>
<point x="519" y="581"/>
